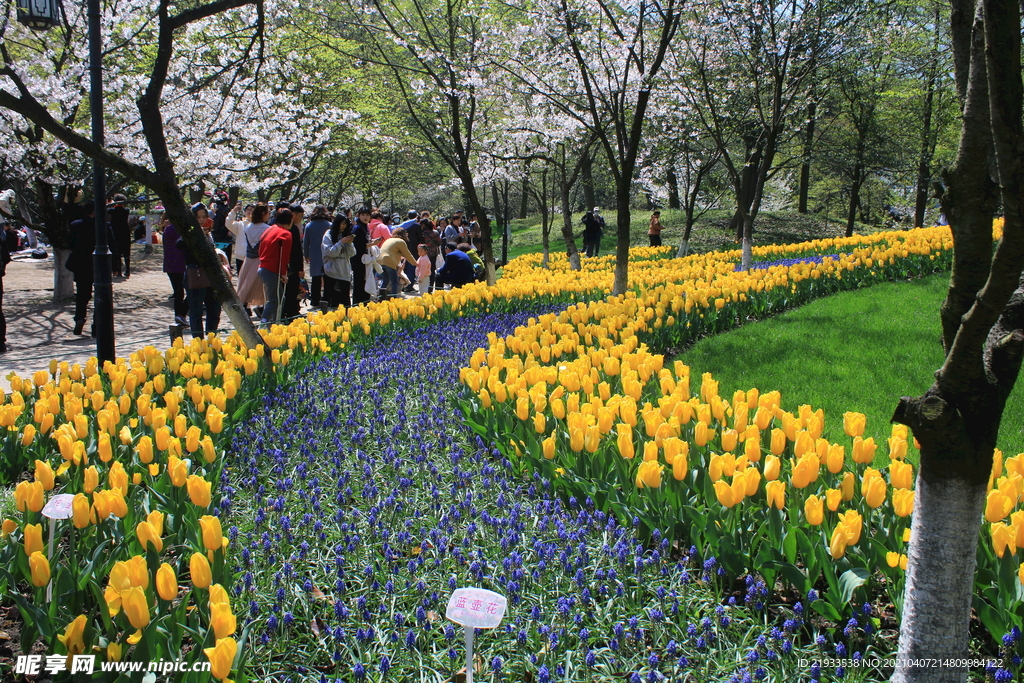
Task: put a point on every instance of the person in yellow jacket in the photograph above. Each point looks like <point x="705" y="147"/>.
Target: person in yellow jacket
<point x="392" y="252"/>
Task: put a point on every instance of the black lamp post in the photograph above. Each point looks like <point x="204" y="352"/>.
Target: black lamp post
<point x="42" y="15"/>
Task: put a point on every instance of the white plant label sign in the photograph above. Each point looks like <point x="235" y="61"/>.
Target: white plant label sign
<point x="476" y="607"/>
<point x="59" y="507"/>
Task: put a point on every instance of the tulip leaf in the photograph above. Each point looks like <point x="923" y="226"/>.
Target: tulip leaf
<point x="241" y="412"/>
<point x="851" y="580"/>
<point x="789" y="544"/>
<point x="826" y="610"/>
<point x="86" y="572"/>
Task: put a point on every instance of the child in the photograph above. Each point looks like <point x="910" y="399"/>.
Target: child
<point x="423" y="268"/>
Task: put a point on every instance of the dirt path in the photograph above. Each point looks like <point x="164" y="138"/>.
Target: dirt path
<point x="38" y="329"/>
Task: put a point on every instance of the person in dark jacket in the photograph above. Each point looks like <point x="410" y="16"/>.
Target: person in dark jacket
<point x="174" y="266"/>
<point x="296" y="266"/>
<point x="593" y="226"/>
<point x="312" y="241"/>
<point x="122" y="244"/>
<point x="201" y="298"/>
<point x="83" y="244"/>
<point x="361" y="240"/>
<point x="457" y="269"/>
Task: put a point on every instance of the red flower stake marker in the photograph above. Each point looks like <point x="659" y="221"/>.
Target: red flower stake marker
<point x="474" y="608"/>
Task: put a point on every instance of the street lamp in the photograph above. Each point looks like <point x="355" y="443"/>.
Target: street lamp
<point x="38" y="14"/>
<point x="42" y="15"/>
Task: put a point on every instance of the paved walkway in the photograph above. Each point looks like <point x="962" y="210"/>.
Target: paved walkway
<point x="38" y="329"/>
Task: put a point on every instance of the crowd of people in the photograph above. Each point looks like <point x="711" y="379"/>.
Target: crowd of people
<point x="333" y="258"/>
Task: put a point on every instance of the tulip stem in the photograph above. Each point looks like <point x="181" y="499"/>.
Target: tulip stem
<point x="49" y="558"/>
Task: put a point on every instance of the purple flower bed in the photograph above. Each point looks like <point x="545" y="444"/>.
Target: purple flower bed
<point x="765" y="265"/>
<point x="357" y="500"/>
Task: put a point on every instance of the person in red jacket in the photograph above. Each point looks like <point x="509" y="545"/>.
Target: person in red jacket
<point x="275" y="252"/>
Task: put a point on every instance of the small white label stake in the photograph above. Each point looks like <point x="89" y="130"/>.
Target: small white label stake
<point x="58" y="507"/>
<point x="475" y="608"/>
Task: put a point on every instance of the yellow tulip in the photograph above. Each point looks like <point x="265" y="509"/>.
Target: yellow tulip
<point x="522" y="408"/>
<point x="199" y="569"/>
<point x="147" y="535"/>
<point x="833" y="497"/>
<point x="1003" y="538"/>
<point x="725" y="494"/>
<point x="805" y="471"/>
<point x="222" y="657"/>
<point x="28" y="496"/>
<point x="1020" y="574"/>
<point x="218" y="595"/>
<point x="901" y="474"/>
<point x="729" y="440"/>
<point x="649" y="474"/>
<point x="166" y="582"/>
<point x="215" y="419"/>
<point x="903" y="502"/>
<point x="73" y="637"/>
<point x="814" y="510"/>
<point x="39" y="567"/>
<point x="81" y="511"/>
<point x="847" y="486"/>
<point x="701" y="434"/>
<point x="576" y="439"/>
<point x="145" y="450"/>
<point x="539" y="423"/>
<point x="897" y="448"/>
<point x="177" y="470"/>
<point x="997" y="505"/>
<point x="625" y="440"/>
<point x="650" y="451"/>
<point x="592" y="438"/>
<point x="44" y="474"/>
<point x="213" y="539"/>
<point x="133" y="602"/>
<point x="854" y="423"/>
<point x="92" y="479"/>
<point x="114" y="652"/>
<point x="752" y="449"/>
<point x="772" y="467"/>
<point x="835" y="457"/>
<point x="199" y="491"/>
<point x="103" y="447"/>
<point x="28" y="435"/>
<point x="192" y="437"/>
<point x="903" y="562"/>
<point x="776" y="492"/>
<point x="873" y="490"/>
<point x="548" y="447"/>
<point x="33" y="538"/>
<point x="864" y="450"/>
<point x="679" y="466"/>
<point x="222" y="620"/>
<point x="837" y="546"/>
<point x="778" y="444"/>
<point x="892" y="559"/>
<point x="117" y="478"/>
<point x="852" y="524"/>
<point x="8" y="528"/>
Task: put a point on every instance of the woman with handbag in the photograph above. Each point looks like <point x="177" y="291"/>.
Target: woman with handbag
<point x="250" y="287"/>
<point x="200" y="293"/>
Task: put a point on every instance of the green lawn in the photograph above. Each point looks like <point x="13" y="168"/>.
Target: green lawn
<point x="710" y="231"/>
<point x="858" y="351"/>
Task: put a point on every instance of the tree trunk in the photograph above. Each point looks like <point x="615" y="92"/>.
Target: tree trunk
<point x="485" y="227"/>
<point x="622" y="216"/>
<point x="924" y="173"/>
<point x="588" y="182"/>
<point x="63" y="279"/>
<point x="524" y="202"/>
<point x="851" y="216"/>
<point x="545" y="225"/>
<point x="567" y="235"/>
<point x="746" y="189"/>
<point x="937" y="609"/>
<point x="805" y="165"/>
<point x="673" y="188"/>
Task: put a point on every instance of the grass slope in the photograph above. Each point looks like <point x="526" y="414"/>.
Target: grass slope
<point x="710" y="232"/>
<point x="856" y="351"/>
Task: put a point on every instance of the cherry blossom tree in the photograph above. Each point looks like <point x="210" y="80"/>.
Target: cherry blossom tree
<point x="202" y="104"/>
<point x="598" y="62"/>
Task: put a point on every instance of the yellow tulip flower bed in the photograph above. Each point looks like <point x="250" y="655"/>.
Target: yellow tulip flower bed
<point x="138" y="570"/>
<point x="583" y="398"/>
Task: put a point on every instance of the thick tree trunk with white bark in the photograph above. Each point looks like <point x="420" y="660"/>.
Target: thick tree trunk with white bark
<point x="937" y="611"/>
<point x="63" y="279"/>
